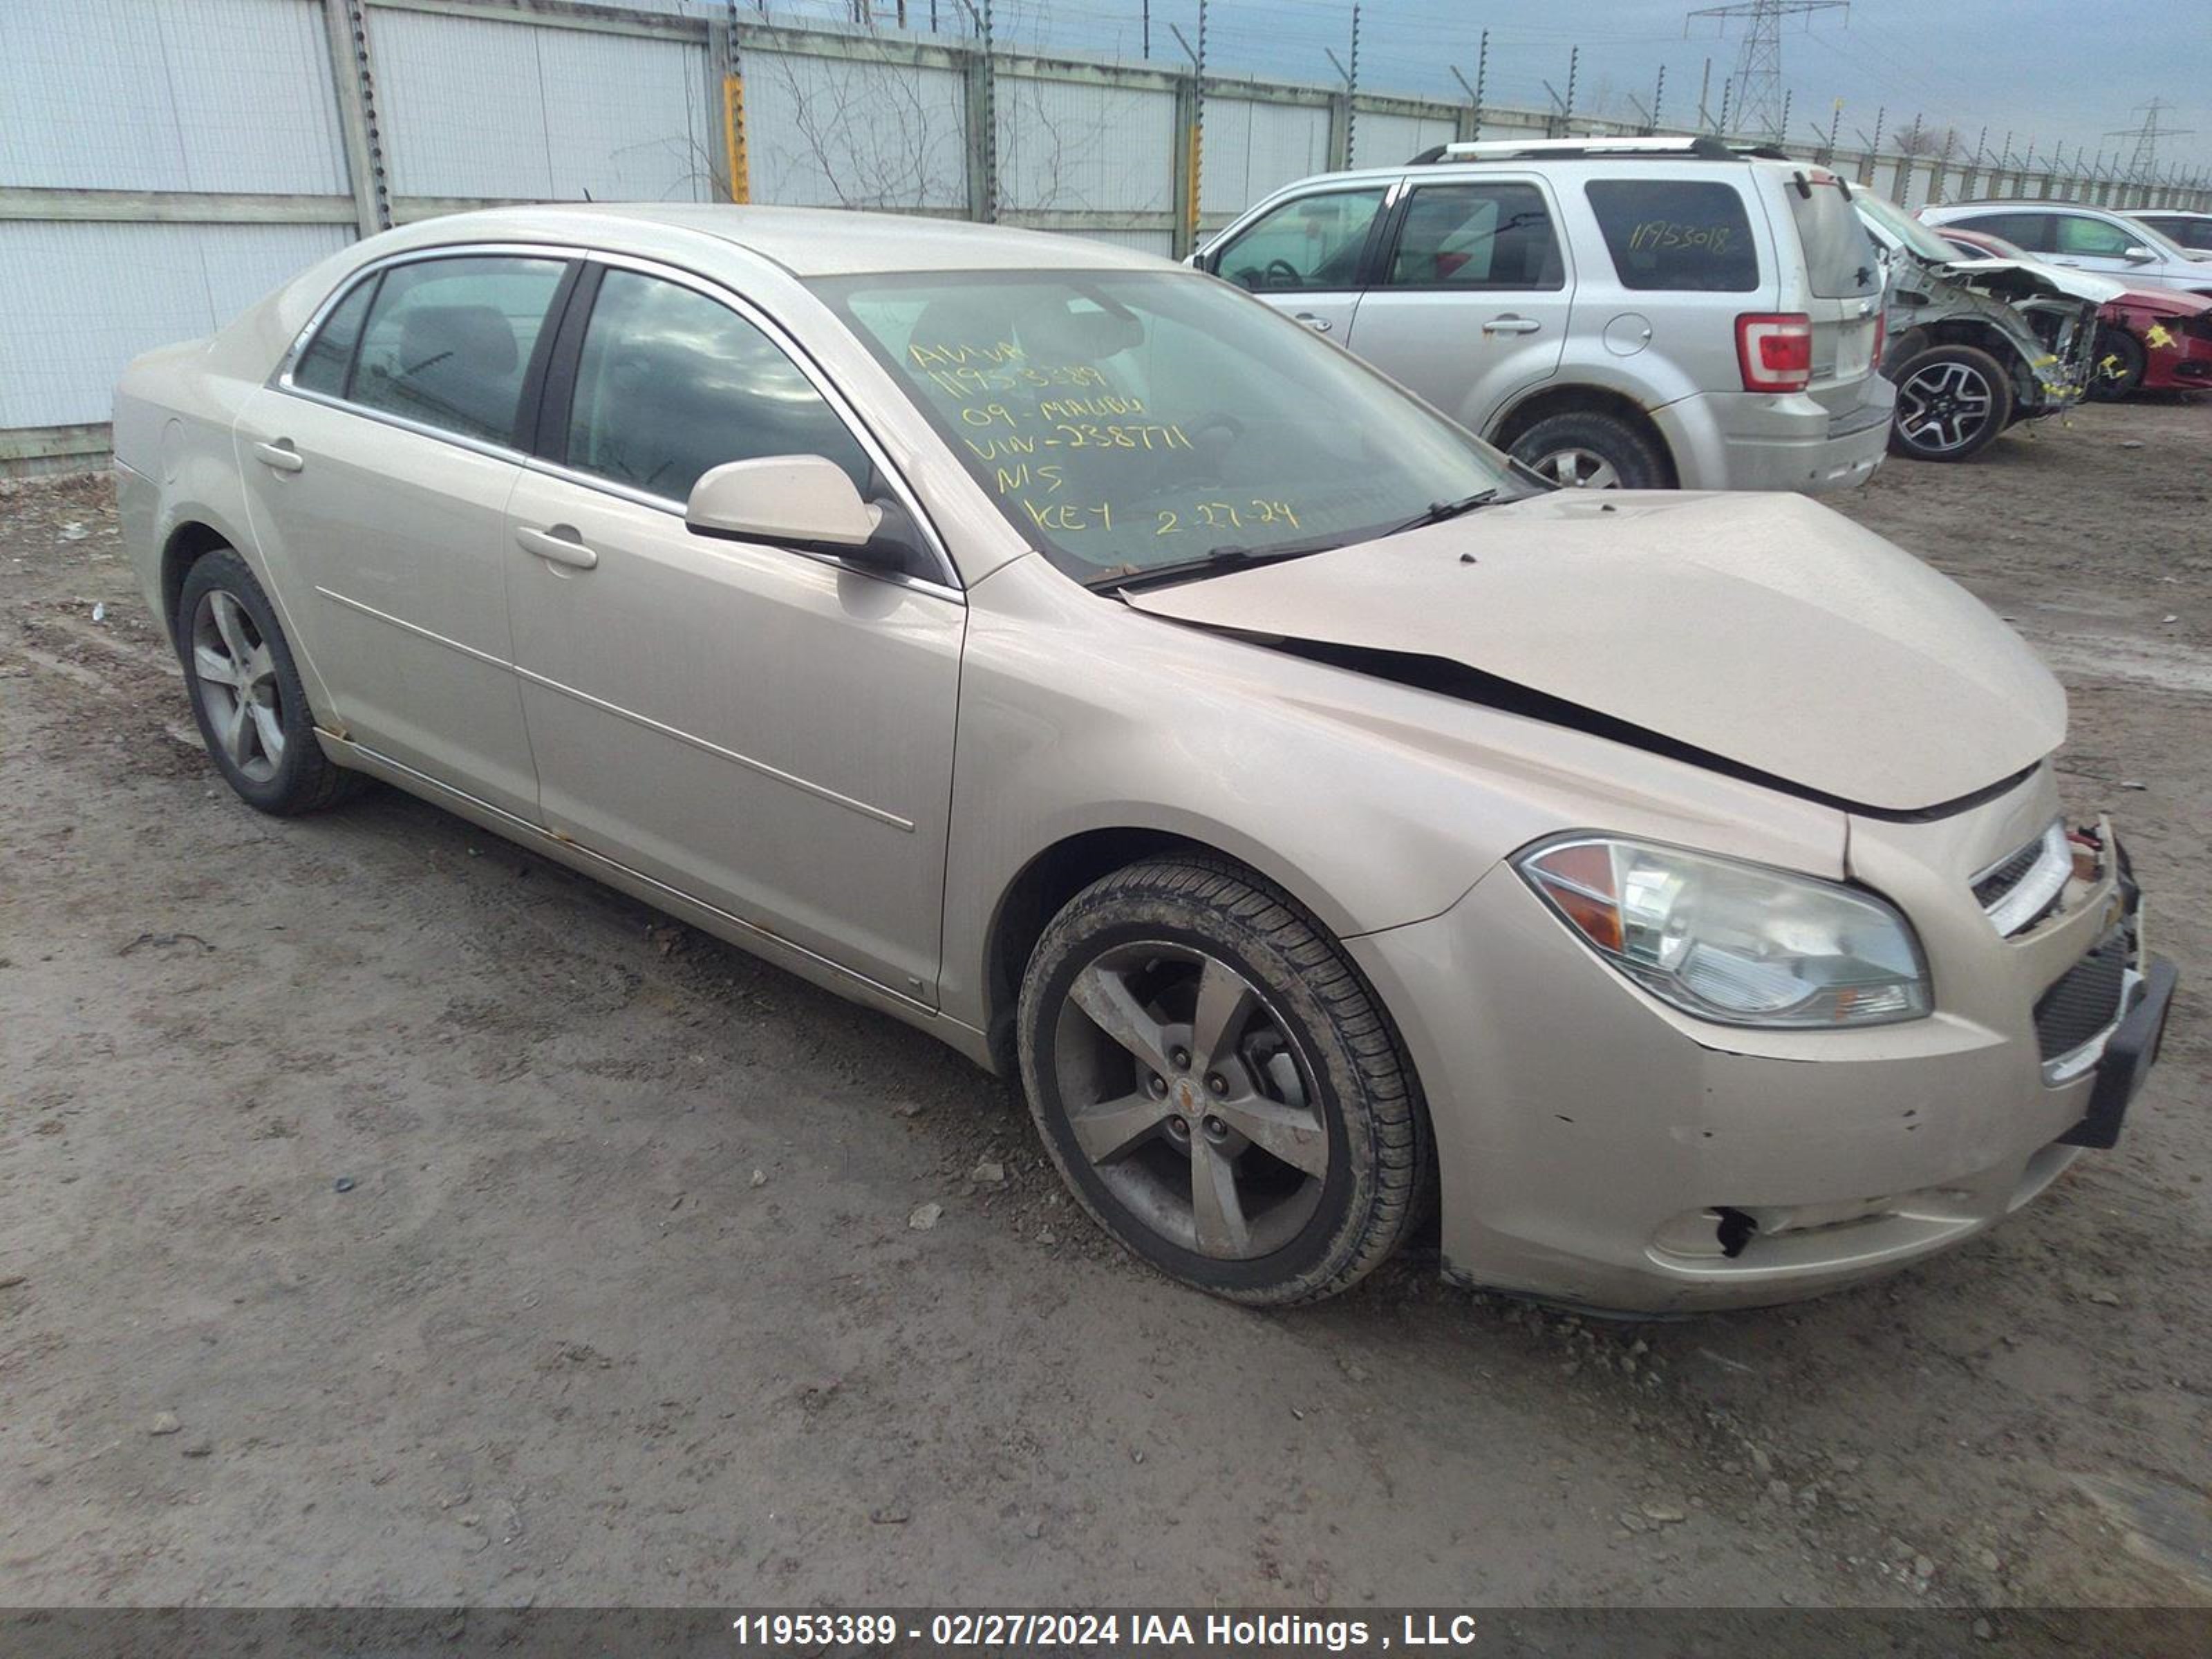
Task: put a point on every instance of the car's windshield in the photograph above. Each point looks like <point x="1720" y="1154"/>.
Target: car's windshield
<point x="1125" y="421"/>
<point x="1887" y="216"/>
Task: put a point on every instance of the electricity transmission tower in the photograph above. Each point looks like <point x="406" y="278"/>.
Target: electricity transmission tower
<point x="2146" y="136"/>
<point x="1757" y="78"/>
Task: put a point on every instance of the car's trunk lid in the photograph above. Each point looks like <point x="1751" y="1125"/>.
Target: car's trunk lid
<point x="1765" y="632"/>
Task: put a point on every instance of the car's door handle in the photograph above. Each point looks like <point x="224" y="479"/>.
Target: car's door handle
<point x="282" y="456"/>
<point x="1318" y="325"/>
<point x="560" y="549"/>
<point x="1509" y="324"/>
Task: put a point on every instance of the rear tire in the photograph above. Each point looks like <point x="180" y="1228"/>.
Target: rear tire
<point x="246" y="696"/>
<point x="1218" y="1087"/>
<point x="1582" y="449"/>
<point x="2119" y="370"/>
<point x="1951" y="403"/>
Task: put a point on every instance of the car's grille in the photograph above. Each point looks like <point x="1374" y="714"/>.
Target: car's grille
<point x="2086" y="1000"/>
<point x="2022" y="889"/>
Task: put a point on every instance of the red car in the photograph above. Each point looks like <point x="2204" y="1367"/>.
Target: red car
<point x="2148" y="340"/>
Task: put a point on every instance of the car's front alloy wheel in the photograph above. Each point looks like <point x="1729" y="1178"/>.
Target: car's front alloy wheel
<point x="1951" y="403"/>
<point x="1217" y="1086"/>
<point x="2119" y="367"/>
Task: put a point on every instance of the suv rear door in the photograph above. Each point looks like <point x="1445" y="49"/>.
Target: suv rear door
<point x="1683" y="263"/>
<point x="1470" y="294"/>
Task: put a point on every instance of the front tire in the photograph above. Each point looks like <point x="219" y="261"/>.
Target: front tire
<point x="1951" y="403"/>
<point x="246" y="691"/>
<point x="2119" y="370"/>
<point x="1217" y="1086"/>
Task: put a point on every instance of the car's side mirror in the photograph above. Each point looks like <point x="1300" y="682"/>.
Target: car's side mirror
<point x="805" y="501"/>
<point x="2138" y="254"/>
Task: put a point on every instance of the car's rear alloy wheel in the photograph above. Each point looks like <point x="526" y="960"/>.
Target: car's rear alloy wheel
<point x="1578" y="469"/>
<point x="246" y="691"/>
<point x="1586" y="449"/>
<point x="1951" y="403"/>
<point x="1216" y="1085"/>
<point x="237" y="677"/>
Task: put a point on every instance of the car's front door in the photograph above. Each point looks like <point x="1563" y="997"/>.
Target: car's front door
<point x="377" y="474"/>
<point x="1306" y="257"/>
<point x="766" y="730"/>
<point x="1470" y="297"/>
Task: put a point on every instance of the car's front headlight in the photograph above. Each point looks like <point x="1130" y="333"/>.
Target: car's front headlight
<point x="1736" y="943"/>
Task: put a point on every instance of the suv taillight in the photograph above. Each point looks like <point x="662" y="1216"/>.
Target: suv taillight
<point x="1880" y="337"/>
<point x="1774" y="349"/>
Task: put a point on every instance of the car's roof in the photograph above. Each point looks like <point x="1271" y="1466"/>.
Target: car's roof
<point x="807" y="241"/>
<point x="1654" y="165"/>
<point x="2020" y="204"/>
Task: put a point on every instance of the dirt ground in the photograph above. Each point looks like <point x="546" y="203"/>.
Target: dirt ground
<point x="386" y="1215"/>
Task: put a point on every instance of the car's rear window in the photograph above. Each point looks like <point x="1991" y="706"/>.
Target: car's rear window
<point x="1678" y="235"/>
<point x="1840" y="257"/>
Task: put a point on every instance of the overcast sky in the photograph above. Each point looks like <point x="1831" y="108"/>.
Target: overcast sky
<point x="2062" y="73"/>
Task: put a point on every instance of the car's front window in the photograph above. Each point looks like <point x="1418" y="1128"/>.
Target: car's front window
<point x="1127" y="420"/>
<point x="1314" y="242"/>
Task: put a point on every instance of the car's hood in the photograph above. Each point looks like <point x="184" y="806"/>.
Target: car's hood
<point x="1998" y="276"/>
<point x="1765" y="632"/>
<point x="2166" y="301"/>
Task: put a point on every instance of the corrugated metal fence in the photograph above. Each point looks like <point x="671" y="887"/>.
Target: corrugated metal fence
<point x="164" y="164"/>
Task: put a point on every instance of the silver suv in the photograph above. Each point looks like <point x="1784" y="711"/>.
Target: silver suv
<point x="1616" y="312"/>
<point x="2096" y="238"/>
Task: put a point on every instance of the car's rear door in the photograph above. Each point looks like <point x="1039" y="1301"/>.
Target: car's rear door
<point x="767" y="730"/>
<point x="377" y="471"/>
<point x="1471" y="294"/>
<point x="1307" y="255"/>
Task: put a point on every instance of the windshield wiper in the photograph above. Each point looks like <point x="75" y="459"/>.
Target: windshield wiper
<point x="1437" y="512"/>
<point x="1212" y="563"/>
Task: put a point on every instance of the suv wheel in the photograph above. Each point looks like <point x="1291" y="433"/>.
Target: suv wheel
<point x="1585" y="450"/>
<point x="1951" y="403"/>
<point x="245" y="692"/>
<point x="2119" y="367"/>
<point x="1217" y="1086"/>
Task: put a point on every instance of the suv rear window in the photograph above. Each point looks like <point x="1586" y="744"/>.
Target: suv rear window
<point x="1839" y="258"/>
<point x="1676" y="234"/>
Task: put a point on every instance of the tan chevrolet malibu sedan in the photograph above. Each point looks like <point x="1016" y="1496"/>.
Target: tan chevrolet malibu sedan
<point x="1664" y="896"/>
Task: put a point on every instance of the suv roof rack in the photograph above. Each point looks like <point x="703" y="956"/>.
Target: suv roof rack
<point x="1533" y="149"/>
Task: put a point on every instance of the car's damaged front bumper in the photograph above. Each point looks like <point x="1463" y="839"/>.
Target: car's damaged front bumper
<point x="1601" y="1148"/>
